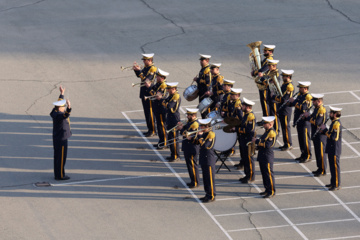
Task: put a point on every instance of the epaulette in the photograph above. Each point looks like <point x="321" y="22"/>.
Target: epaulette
<point x="270" y="58"/>
<point x="336" y="125"/>
<point x="163" y="85"/>
<point x="271" y="134"/>
<point x="322" y="110"/>
<point x="238" y="103"/>
<point x="175" y="97"/>
<point x="194" y="125"/>
<point x="152" y="70"/>
<point x="290" y="87"/>
<point x="207" y="70"/>
<point x="220" y="79"/>
<point x="308" y="97"/>
<point x="250" y="117"/>
<point x="211" y="135"/>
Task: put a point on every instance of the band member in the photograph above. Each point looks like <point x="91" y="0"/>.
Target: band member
<point x="233" y="105"/>
<point x="157" y="92"/>
<point x="216" y="85"/>
<point x="266" y="156"/>
<point x="318" y="118"/>
<point x="333" y="147"/>
<point x="206" y="139"/>
<point x="272" y="104"/>
<point x="227" y="85"/>
<point x="146" y="74"/>
<point x="261" y="83"/>
<point x="245" y="135"/>
<point x="285" y="111"/>
<point x="189" y="146"/>
<point x="302" y="104"/>
<point x="172" y="105"/>
<point x="61" y="132"/>
<point x="203" y="80"/>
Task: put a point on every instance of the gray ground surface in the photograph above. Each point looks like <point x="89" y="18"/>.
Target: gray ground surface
<point x="121" y="188"/>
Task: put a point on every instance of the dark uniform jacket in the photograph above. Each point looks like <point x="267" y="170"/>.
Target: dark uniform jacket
<point x="247" y="127"/>
<point x="265" y="145"/>
<point x="217" y="87"/>
<point x="207" y="154"/>
<point x="172" y="104"/>
<point x="190" y="145"/>
<point x="225" y="97"/>
<point x="334" y="135"/>
<point x="143" y="74"/>
<point x="302" y="103"/>
<point x="61" y="123"/>
<point x="233" y="108"/>
<point x="317" y="118"/>
<point x="153" y="90"/>
<point x="204" y="80"/>
<point x="288" y="90"/>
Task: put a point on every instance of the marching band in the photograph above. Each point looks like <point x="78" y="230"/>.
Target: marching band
<point x="218" y="99"/>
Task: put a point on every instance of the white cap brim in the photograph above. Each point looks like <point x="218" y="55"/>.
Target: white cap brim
<point x="314" y="95"/>
<point x="192" y="110"/>
<point x="60" y="103"/>
<point x="335" y="109"/>
<point x="268" y="119"/>
<point x="287" y="72"/>
<point x="204" y="121"/>
<point x="248" y="102"/>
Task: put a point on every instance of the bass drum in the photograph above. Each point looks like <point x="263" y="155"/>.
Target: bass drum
<point x="224" y="141"/>
<point x="191" y="93"/>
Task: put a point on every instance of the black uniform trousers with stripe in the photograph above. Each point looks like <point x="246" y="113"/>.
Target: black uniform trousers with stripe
<point x="319" y="147"/>
<point x="273" y="112"/>
<point x="191" y="154"/>
<point x="264" y="102"/>
<point x="149" y="115"/>
<point x="334" y="164"/>
<point x="208" y="172"/>
<point x="60" y="153"/>
<point x="160" y="116"/>
<point x="247" y="160"/>
<point x="303" y="130"/>
<point x="174" y="144"/>
<point x="285" y="128"/>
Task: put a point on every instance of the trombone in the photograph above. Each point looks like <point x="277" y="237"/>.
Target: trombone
<point x="188" y="134"/>
<point x="177" y="125"/>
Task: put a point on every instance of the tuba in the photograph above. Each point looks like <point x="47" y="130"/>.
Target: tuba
<point x="254" y="56"/>
<point x="274" y="85"/>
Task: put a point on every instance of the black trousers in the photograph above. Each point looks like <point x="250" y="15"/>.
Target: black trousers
<point x="319" y="148"/>
<point x="149" y="115"/>
<point x="174" y="144"/>
<point x="273" y="112"/>
<point x="334" y="164"/>
<point x="191" y="160"/>
<point x="248" y="160"/>
<point x="208" y="172"/>
<point x="161" y="127"/>
<point x="303" y="130"/>
<point x="286" y="130"/>
<point x="264" y="102"/>
<point x="267" y="173"/>
<point x="60" y="153"/>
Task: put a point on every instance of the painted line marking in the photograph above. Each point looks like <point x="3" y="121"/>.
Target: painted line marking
<point x="356" y="96"/>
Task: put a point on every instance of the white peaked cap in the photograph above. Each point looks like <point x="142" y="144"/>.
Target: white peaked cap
<point x="304" y="84"/>
<point x="216" y="64"/>
<point x="314" y="95"/>
<point x="163" y="73"/>
<point x="148" y="55"/>
<point x="204" y="121"/>
<point x="248" y="102"/>
<point x="287" y="72"/>
<point x="273" y="61"/>
<point x="270" y="46"/>
<point x="236" y="90"/>
<point x="172" y="84"/>
<point x="227" y="81"/>
<point x="335" y="109"/>
<point x="204" y="56"/>
<point x="60" y="103"/>
<point x="268" y="119"/>
<point x="192" y="110"/>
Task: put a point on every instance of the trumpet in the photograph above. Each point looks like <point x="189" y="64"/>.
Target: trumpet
<point x="129" y="67"/>
<point x="153" y="97"/>
<point x="140" y="84"/>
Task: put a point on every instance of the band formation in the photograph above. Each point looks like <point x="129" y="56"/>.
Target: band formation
<point x="227" y="119"/>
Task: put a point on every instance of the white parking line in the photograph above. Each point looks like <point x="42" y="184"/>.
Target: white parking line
<point x="356" y="96"/>
<point x="344" y="237"/>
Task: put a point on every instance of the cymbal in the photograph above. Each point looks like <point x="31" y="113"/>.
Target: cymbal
<point x="228" y="129"/>
<point x="232" y="121"/>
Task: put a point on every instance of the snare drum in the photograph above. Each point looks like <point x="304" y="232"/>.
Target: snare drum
<point x="215" y="117"/>
<point x="204" y="104"/>
<point x="224" y="141"/>
<point x="191" y="93"/>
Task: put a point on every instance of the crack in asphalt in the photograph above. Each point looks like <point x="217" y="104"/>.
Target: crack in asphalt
<point x="342" y="13"/>
<point x="167" y="19"/>
<point x="22" y="6"/>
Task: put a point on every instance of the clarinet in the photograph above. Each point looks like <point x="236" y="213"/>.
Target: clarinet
<point x="300" y="117"/>
<point x="318" y="129"/>
<point x="284" y="103"/>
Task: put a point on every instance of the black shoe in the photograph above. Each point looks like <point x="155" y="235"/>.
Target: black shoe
<point x="174" y="160"/>
<point x="64" y="178"/>
<point x="149" y="134"/>
<point x="263" y="193"/>
<point x="328" y="185"/>
<point x="281" y="147"/>
<point x="239" y="166"/>
<point x="192" y="186"/>
<point x="244" y="180"/>
<point x="159" y="147"/>
<point x="202" y="198"/>
<point x="268" y="195"/>
<point x="315" y="172"/>
<point x="298" y="159"/>
<point x="319" y="174"/>
<point x="207" y="200"/>
<point x="333" y="188"/>
<point x="144" y="133"/>
<point x="305" y="160"/>
<point x="168" y="158"/>
<point x="287" y="148"/>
